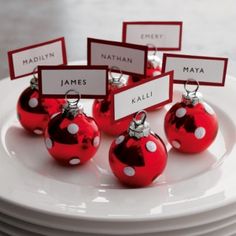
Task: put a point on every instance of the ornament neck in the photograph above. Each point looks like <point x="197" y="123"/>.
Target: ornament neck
<point x="72" y="107"/>
<point x="34" y="83"/>
<point x="72" y="111"/>
<point x="154" y="61"/>
<point x="116" y="80"/>
<point x="191" y="97"/>
<point x="139" y="127"/>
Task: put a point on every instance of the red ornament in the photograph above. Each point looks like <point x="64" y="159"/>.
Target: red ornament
<point x="138" y="156"/>
<point x="72" y="137"/>
<point x="34" y="112"/>
<point x="191" y="125"/>
<point x="102" y="110"/>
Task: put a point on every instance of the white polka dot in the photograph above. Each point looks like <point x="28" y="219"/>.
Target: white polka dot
<point x="180" y="112"/>
<point x="33" y="102"/>
<point x="156" y="73"/>
<point x="74" y="161"/>
<point x="151" y="146"/>
<point x="73" y="128"/>
<point x="176" y="144"/>
<point x="38" y="131"/>
<point x="120" y="139"/>
<point x="96" y="141"/>
<point x="48" y="143"/>
<point x="199" y="132"/>
<point x="129" y="171"/>
<point x="208" y="109"/>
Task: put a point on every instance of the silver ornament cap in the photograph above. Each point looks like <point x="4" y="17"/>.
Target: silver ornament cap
<point x="191" y="97"/>
<point x="72" y="107"/>
<point x="139" y="127"/>
<point x="154" y="60"/>
<point x="117" y="79"/>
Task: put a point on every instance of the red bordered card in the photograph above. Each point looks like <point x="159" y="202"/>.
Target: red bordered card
<point x="154" y="92"/>
<point x="23" y="61"/>
<point x="131" y="59"/>
<point x="88" y="81"/>
<point x="164" y="35"/>
<point x="206" y="70"/>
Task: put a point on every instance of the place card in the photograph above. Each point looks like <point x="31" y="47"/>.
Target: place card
<point x="206" y="70"/>
<point x="24" y="61"/>
<point x="161" y="34"/>
<point x="131" y="59"/>
<point x="157" y="91"/>
<point x="89" y="81"/>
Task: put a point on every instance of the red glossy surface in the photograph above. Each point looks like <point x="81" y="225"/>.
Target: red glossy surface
<point x="72" y="140"/>
<point x="33" y="112"/>
<point x="133" y="164"/>
<point x="102" y="113"/>
<point x="189" y="128"/>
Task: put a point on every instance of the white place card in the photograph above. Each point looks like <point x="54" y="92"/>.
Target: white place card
<point x="129" y="58"/>
<point x="89" y="81"/>
<point x="206" y="70"/>
<point x="163" y="35"/>
<point x="157" y="91"/>
<point x="23" y="61"/>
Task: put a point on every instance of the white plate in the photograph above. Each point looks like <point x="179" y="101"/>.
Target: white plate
<point x="76" y="198"/>
<point x="19" y="225"/>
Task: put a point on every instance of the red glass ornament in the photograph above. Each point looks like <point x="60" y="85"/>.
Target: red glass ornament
<point x="137" y="157"/>
<point x="34" y="112"/>
<point x="72" y="137"/>
<point x="102" y="112"/>
<point x="191" y="125"/>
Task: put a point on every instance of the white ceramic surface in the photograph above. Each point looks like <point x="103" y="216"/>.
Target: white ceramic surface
<point x="16" y="227"/>
<point x="81" y="197"/>
<point x="191" y="231"/>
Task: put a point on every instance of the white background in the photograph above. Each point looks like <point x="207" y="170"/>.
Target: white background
<point x="208" y="25"/>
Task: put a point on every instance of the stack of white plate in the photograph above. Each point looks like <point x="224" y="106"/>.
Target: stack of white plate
<point x="196" y="194"/>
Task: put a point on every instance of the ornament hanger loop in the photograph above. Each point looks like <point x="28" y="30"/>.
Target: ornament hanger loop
<point x="114" y="78"/>
<point x="140" y="117"/>
<point x="72" y="102"/>
<point x="150" y="45"/>
<point x="192" y="81"/>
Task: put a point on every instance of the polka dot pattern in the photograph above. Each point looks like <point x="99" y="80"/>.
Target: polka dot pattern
<point x="74" y="161"/>
<point x="176" y="144"/>
<point x="200" y="132"/>
<point x="96" y="141"/>
<point x="38" y="131"/>
<point x="151" y="146"/>
<point x="48" y="143"/>
<point x="33" y="102"/>
<point x="73" y="128"/>
<point x="180" y="112"/>
<point x="120" y="139"/>
<point x="129" y="171"/>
